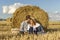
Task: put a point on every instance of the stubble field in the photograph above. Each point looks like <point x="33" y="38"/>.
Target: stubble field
<point x="13" y="34"/>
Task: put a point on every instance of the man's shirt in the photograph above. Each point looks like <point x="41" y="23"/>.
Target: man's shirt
<point x="24" y="26"/>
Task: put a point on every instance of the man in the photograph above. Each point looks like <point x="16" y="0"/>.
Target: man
<point x="24" y="25"/>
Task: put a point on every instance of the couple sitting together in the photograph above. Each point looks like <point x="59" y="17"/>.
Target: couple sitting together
<point x="31" y="26"/>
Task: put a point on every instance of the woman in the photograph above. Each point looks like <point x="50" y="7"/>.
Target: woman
<point x="34" y="27"/>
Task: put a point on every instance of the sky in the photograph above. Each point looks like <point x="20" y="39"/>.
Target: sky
<point x="52" y="7"/>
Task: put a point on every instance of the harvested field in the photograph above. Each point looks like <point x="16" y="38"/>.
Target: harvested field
<point x="47" y="36"/>
<point x="13" y="35"/>
<point x="7" y="33"/>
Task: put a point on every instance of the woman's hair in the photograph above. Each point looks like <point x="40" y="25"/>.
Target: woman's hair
<point x="33" y="21"/>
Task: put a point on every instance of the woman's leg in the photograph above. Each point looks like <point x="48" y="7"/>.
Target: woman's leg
<point x="40" y="29"/>
<point x="31" y="30"/>
<point x="35" y="31"/>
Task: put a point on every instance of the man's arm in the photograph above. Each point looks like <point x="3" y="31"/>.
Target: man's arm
<point x="21" y="27"/>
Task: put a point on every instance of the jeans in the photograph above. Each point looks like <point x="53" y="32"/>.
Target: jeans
<point x="31" y="30"/>
<point x="38" y="29"/>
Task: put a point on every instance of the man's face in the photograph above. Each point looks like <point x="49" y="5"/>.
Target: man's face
<point x="28" y="20"/>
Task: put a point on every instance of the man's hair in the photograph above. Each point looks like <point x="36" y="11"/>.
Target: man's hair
<point x="27" y="17"/>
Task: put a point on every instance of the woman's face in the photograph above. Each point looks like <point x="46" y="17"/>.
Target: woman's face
<point x="31" y="21"/>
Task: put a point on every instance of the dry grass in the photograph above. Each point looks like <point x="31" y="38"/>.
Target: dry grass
<point x="54" y="24"/>
<point x="47" y="36"/>
<point x="53" y="35"/>
<point x="39" y="14"/>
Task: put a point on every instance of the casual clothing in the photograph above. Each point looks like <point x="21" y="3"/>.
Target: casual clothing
<point x="36" y="28"/>
<point x="31" y="30"/>
<point x="24" y="26"/>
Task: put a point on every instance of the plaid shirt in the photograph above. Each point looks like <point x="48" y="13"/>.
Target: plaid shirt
<point x="24" y="26"/>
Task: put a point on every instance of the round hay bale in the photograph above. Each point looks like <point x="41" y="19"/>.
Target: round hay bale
<point x="20" y="14"/>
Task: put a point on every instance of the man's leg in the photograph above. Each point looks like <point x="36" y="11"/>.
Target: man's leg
<point x="21" y="32"/>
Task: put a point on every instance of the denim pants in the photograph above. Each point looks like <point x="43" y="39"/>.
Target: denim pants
<point x="31" y="30"/>
<point x="38" y="29"/>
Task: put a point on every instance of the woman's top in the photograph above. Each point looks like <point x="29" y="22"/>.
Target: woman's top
<point x="34" y="26"/>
